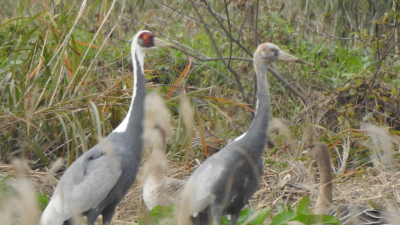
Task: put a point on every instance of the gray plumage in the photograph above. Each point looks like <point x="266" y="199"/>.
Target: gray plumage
<point x="348" y="214"/>
<point x="160" y="190"/>
<point x="224" y="183"/>
<point x="97" y="181"/>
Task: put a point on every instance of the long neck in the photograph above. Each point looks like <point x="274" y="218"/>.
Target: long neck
<point x="258" y="130"/>
<point x="132" y="125"/>
<point x="324" y="200"/>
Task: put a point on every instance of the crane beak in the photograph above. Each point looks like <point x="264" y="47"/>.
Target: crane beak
<point x="283" y="56"/>
<point x="307" y="150"/>
<point x="160" y="43"/>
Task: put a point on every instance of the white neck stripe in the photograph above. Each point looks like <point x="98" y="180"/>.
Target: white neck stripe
<point x="136" y="56"/>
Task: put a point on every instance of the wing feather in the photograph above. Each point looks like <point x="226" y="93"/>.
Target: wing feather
<point x="86" y="182"/>
<point x="198" y="190"/>
<point x="360" y="215"/>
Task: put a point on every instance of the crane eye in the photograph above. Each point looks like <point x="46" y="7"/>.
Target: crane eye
<point x="270" y="50"/>
<point x="146" y="39"/>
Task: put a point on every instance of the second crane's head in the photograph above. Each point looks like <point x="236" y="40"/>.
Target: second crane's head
<point x="318" y="151"/>
<point x="145" y="40"/>
<point x="268" y="53"/>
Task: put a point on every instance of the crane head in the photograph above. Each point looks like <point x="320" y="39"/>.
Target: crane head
<point x="270" y="52"/>
<point x="318" y="150"/>
<point x="148" y="40"/>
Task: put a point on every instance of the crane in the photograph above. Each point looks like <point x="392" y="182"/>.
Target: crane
<point x="349" y="214"/>
<point x="224" y="183"/>
<point x="97" y="181"/>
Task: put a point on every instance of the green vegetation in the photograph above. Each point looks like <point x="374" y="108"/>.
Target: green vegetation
<point x="65" y="79"/>
<point x="248" y="216"/>
<point x="303" y="214"/>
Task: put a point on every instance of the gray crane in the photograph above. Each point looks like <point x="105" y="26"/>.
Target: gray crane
<point x="97" y="181"/>
<point x="224" y="183"/>
<point x="349" y="214"/>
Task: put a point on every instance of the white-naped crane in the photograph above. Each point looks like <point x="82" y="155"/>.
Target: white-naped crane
<point x="348" y="214"/>
<point x="97" y="181"/>
<point x="224" y="183"/>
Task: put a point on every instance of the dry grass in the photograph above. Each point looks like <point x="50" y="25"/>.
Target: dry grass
<point x="285" y="181"/>
<point x="299" y="179"/>
<point x="277" y="187"/>
<point x="212" y="125"/>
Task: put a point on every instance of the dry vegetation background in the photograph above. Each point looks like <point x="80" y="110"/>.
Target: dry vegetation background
<point x="65" y="80"/>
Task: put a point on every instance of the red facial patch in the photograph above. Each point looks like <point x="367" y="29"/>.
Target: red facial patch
<point x="146" y="37"/>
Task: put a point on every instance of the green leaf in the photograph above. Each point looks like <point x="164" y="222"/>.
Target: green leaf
<point x="42" y="200"/>
<point x="304" y="206"/>
<point x="157" y="214"/>
<point x="345" y="88"/>
<point x="262" y="215"/>
<point x="160" y="211"/>
<point x="359" y="81"/>
<point x="225" y="221"/>
<point x="245" y="215"/>
<point x="316" y="219"/>
<point x="283" y="217"/>
<point x="327" y="219"/>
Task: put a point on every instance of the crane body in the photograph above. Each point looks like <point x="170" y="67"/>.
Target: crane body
<point x="98" y="180"/>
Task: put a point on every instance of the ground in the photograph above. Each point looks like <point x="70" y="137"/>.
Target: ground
<point x="286" y="186"/>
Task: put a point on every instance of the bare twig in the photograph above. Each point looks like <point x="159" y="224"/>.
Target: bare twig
<point x="213" y="13"/>
<point x="211" y="68"/>
<point x="378" y="69"/>
<point x="256" y="25"/>
<point x="276" y="74"/>
<point x="219" y="54"/>
<point x="197" y="20"/>
<point x="206" y="58"/>
<point x="241" y="27"/>
<point x="290" y="87"/>
<point x="230" y="33"/>
<point x="229" y="22"/>
<point x="188" y="16"/>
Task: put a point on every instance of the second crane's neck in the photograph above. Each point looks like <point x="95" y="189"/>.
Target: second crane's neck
<point x="132" y="125"/>
<point x="324" y="200"/>
<point x="258" y="130"/>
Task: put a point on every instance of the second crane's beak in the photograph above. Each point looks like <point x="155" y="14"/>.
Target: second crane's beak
<point x="283" y="56"/>
<point x="160" y="43"/>
<point x="307" y="150"/>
